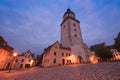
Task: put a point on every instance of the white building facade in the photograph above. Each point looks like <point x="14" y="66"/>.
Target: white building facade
<point x="25" y="60"/>
<point x="56" y="55"/>
<point x="71" y="36"/>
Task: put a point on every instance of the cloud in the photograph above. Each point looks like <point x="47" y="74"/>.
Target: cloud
<point x="36" y="24"/>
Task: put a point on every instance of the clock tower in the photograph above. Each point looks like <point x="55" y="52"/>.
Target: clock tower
<point x="71" y="36"/>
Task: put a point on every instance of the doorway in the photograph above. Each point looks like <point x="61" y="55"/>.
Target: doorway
<point x="21" y="65"/>
<point x="63" y="61"/>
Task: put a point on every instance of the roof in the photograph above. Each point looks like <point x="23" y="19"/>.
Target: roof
<point x="49" y="47"/>
<point x="4" y="45"/>
<point x="28" y="51"/>
<point x="92" y="48"/>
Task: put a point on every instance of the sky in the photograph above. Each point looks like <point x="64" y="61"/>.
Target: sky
<point x="35" y="24"/>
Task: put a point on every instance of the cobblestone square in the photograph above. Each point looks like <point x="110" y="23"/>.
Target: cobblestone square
<point x="101" y="71"/>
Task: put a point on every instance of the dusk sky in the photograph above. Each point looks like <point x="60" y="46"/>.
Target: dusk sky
<point x="35" y="24"/>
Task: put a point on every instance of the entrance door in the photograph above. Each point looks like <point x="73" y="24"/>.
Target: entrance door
<point x="63" y="61"/>
<point x="27" y="65"/>
<point x="8" y="66"/>
<point x="80" y="59"/>
<point x="21" y="65"/>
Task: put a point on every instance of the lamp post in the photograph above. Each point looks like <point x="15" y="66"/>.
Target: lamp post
<point x="14" y="56"/>
<point x="31" y="62"/>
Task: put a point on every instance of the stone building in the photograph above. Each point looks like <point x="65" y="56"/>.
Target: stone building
<point x="6" y="54"/>
<point x="71" y="36"/>
<point x="25" y="60"/>
<point x="116" y="54"/>
<point x="71" y="44"/>
<point x="56" y="55"/>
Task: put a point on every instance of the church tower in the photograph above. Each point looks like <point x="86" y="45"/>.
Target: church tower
<point x="71" y="36"/>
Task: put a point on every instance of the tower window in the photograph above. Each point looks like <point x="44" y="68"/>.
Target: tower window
<point x="74" y="24"/>
<point x="64" y="26"/>
<point x="74" y="29"/>
<point x="75" y="35"/>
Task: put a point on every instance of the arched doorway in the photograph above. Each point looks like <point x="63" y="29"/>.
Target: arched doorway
<point x="8" y="66"/>
<point x="80" y="59"/>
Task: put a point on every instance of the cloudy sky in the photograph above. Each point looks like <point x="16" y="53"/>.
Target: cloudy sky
<point x="35" y="24"/>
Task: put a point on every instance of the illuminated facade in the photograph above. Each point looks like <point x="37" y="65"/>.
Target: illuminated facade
<point x="6" y="54"/>
<point x="56" y="55"/>
<point x="116" y="54"/>
<point x="25" y="60"/>
<point x="93" y="58"/>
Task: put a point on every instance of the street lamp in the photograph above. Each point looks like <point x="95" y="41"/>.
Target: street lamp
<point x="31" y="62"/>
<point x="14" y="56"/>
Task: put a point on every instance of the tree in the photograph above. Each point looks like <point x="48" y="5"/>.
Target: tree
<point x="103" y="52"/>
<point x="39" y="59"/>
<point x="117" y="42"/>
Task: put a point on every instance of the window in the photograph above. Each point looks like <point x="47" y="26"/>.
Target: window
<point x="16" y="60"/>
<point x="66" y="54"/>
<point x="54" y="53"/>
<point x="69" y="54"/>
<point x="55" y="46"/>
<point x="54" y="60"/>
<point x="75" y="30"/>
<point x="28" y="56"/>
<point x="74" y="24"/>
<point x="64" y="26"/>
<point x="22" y="60"/>
<point x="29" y="60"/>
<point x="25" y="55"/>
<point x="75" y="35"/>
<point x="62" y="54"/>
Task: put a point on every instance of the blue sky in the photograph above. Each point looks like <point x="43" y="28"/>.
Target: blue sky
<point x="35" y="24"/>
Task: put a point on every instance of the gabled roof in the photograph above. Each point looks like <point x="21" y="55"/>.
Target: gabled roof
<point x="28" y="51"/>
<point x="49" y="47"/>
<point x="4" y="45"/>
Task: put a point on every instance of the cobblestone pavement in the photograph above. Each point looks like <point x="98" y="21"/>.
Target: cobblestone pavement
<point x="101" y="71"/>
